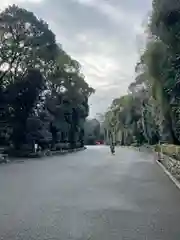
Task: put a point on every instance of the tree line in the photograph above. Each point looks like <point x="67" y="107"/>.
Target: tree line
<point x="94" y="131"/>
<point x="150" y="112"/>
<point x="43" y="93"/>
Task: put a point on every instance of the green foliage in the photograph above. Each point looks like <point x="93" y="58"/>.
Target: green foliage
<point x="123" y="116"/>
<point x="169" y="149"/>
<point x="92" y="129"/>
<point x="21" y="99"/>
<point x="26" y="42"/>
<point x="68" y="101"/>
<point x="44" y="95"/>
<point x="156" y="115"/>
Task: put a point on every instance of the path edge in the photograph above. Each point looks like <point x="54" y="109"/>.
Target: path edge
<point x="171" y="177"/>
<point x="42" y="156"/>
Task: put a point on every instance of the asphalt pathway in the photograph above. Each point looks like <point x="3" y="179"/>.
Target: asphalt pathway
<point x="89" y="195"/>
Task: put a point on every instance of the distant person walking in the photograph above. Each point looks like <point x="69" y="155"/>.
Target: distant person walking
<point x="112" y="145"/>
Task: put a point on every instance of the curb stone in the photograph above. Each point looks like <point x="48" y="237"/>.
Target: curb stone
<point x="172" y="178"/>
<point x="43" y="155"/>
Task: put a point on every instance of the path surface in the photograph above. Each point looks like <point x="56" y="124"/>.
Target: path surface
<point x="89" y="195"/>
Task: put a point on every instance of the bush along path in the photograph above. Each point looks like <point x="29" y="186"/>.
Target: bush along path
<point x="4" y="158"/>
<point x="169" y="157"/>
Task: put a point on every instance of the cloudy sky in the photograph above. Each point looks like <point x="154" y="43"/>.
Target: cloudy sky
<point x="105" y="36"/>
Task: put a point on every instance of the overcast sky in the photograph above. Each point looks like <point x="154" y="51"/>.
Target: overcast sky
<point x="103" y="35"/>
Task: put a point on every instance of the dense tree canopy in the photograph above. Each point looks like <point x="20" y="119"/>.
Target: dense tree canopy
<point x="150" y="112"/>
<point x="44" y="95"/>
<point x="92" y="130"/>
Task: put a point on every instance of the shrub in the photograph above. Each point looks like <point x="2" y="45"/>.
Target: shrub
<point x="169" y="149"/>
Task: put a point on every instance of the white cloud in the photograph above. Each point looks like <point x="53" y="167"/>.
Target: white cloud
<point x="103" y="35"/>
<point x="112" y="12"/>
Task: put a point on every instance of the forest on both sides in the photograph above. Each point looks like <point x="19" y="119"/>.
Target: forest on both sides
<point x="44" y="95"/>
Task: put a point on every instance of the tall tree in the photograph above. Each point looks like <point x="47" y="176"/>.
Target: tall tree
<point x="21" y="97"/>
<point x="26" y="42"/>
<point x="38" y="77"/>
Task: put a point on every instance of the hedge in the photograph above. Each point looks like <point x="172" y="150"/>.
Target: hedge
<point x="169" y="149"/>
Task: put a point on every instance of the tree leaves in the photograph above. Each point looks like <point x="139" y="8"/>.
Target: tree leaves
<point x="38" y="76"/>
<point x="157" y="84"/>
<point x="26" y="42"/>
